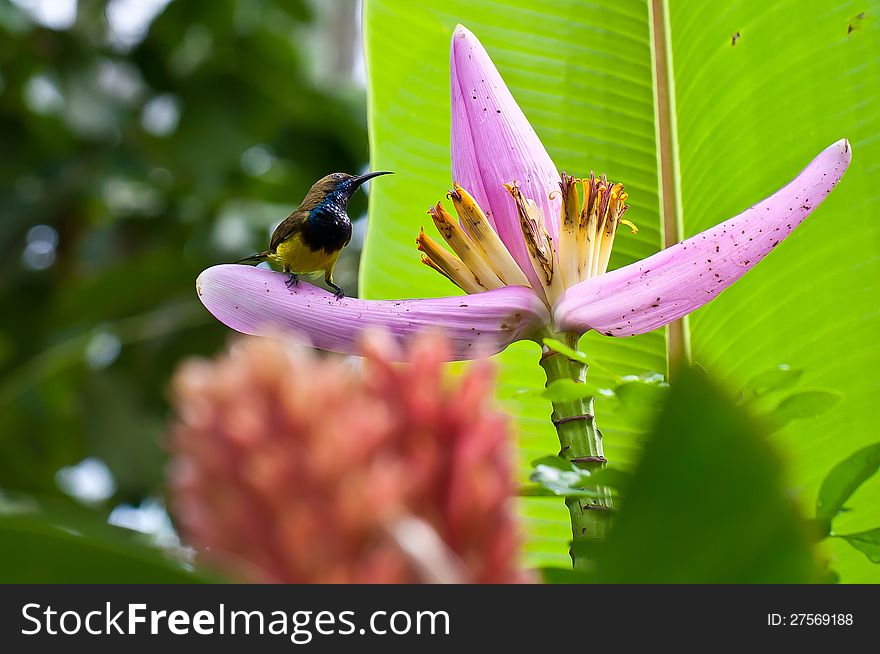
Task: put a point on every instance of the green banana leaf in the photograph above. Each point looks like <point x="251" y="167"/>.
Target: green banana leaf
<point x="51" y="541"/>
<point x="756" y="89"/>
<point x="706" y="503"/>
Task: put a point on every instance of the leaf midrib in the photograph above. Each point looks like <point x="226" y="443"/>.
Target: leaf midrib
<point x="677" y="338"/>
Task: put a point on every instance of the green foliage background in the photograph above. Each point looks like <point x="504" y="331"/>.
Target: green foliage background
<point x="138" y="215"/>
<point x="758" y="89"/>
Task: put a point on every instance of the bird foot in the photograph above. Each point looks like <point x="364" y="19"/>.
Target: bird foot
<point x="292" y="280"/>
<point x="337" y="290"/>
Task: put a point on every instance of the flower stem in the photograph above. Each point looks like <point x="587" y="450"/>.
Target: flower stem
<point x="581" y="443"/>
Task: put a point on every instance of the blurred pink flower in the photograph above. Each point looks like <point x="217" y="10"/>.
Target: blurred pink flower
<point x="292" y="467"/>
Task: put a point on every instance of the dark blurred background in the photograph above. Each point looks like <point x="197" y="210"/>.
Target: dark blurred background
<point x="143" y="141"/>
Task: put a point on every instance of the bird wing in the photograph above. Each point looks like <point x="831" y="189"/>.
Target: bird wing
<point x="288" y="227"/>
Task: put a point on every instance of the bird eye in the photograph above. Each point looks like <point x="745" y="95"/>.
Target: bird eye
<point x="337" y="175"/>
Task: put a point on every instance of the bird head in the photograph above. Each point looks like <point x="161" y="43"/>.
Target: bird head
<point x="339" y="187"/>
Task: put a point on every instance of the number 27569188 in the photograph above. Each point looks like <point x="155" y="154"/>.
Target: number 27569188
<point x="810" y="619"/>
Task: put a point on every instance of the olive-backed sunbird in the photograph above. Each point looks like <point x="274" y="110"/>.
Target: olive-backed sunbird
<point x="311" y="238"/>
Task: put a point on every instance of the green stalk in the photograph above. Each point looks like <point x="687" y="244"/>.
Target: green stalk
<point x="581" y="443"/>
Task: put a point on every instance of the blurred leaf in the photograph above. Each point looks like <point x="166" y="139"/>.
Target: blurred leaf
<point x="563" y="576"/>
<point x="707" y="502"/>
<point x="866" y="542"/>
<point x="566" y="390"/>
<point x="649" y="377"/>
<point x="830" y="577"/>
<point x="614" y="478"/>
<point x="806" y="404"/>
<point x="66" y="544"/>
<point x="561" y="477"/>
<point x="535" y="491"/>
<point x="575" y="355"/>
<point x="563" y="349"/>
<point x="641" y="398"/>
<point x="819" y="528"/>
<point x="557" y="462"/>
<point x="777" y="378"/>
<point x="844" y="479"/>
<point x="557" y="476"/>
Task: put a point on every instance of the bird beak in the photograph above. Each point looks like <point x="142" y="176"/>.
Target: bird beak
<point x="357" y="180"/>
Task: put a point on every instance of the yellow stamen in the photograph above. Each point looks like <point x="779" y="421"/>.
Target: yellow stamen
<point x="569" y="251"/>
<point x="485" y="238"/>
<point x="632" y="227"/>
<point x="428" y="261"/>
<point x="588" y="223"/>
<point x="470" y="255"/>
<point x="587" y="229"/>
<point x="601" y="209"/>
<point x="615" y="210"/>
<point x="439" y="259"/>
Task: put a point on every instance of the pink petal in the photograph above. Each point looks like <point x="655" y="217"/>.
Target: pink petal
<point x="493" y="143"/>
<point x="655" y="291"/>
<point x="256" y="301"/>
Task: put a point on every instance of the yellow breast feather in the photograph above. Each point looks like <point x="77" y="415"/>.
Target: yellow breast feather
<point x="296" y="256"/>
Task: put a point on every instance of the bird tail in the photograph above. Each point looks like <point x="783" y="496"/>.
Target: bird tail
<point x="260" y="256"/>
